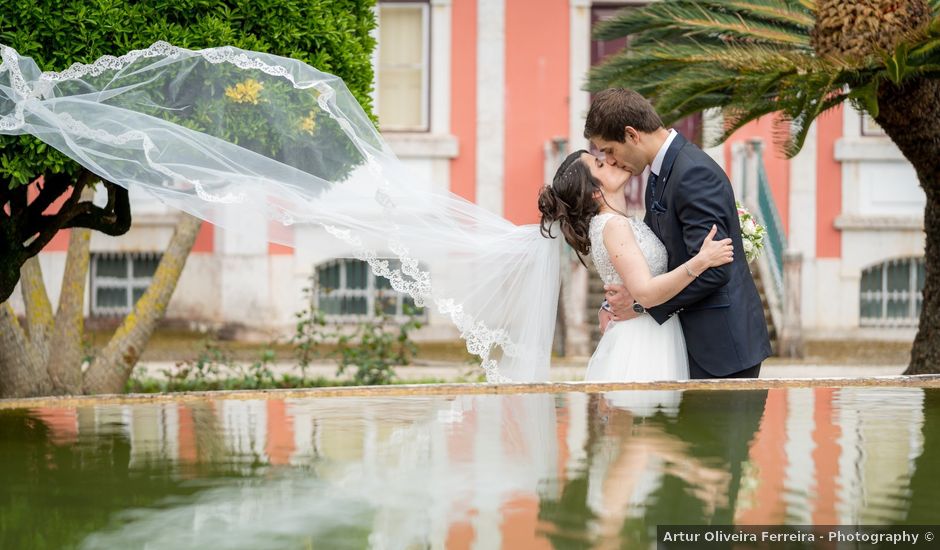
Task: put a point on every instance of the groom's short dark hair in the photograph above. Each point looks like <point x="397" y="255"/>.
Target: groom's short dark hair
<point x="616" y="108"/>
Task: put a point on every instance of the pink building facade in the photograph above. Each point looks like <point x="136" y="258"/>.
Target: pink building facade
<point x="483" y="97"/>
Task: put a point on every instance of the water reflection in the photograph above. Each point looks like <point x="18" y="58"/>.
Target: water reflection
<point x="533" y="470"/>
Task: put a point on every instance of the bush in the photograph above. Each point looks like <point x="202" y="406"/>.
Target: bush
<point x="331" y="35"/>
<point x="373" y="347"/>
<point x="371" y="350"/>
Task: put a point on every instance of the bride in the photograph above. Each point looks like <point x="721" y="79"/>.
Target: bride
<point x="587" y="200"/>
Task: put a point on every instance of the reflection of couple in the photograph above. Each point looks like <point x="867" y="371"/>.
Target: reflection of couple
<point x="685" y="259"/>
<point x="686" y="464"/>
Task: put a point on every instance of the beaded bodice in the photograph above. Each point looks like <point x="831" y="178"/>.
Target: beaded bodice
<point x="652" y="248"/>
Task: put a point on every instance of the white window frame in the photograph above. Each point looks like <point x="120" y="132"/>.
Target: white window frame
<point x="870" y="128"/>
<point x="127" y="283"/>
<point x="884" y="295"/>
<point x="425" y="125"/>
<point x="370" y="293"/>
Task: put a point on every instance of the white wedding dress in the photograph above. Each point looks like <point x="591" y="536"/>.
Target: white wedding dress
<point x="638" y="349"/>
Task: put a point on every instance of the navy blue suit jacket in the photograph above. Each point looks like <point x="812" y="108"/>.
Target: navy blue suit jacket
<point x="720" y="311"/>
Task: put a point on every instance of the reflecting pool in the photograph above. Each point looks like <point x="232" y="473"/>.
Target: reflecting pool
<point x="527" y="470"/>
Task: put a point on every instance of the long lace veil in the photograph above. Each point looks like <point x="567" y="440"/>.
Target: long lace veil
<point x="227" y="134"/>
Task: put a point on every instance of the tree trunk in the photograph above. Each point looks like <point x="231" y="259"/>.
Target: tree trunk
<point x="22" y="374"/>
<point x="65" y="345"/>
<point x="909" y="115"/>
<point x="925" y="355"/>
<point x="111" y="369"/>
<point x="38" y="309"/>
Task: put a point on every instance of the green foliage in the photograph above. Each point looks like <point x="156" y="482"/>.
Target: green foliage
<point x="370" y="350"/>
<point x="310" y="332"/>
<point x="215" y="369"/>
<point x="750" y="58"/>
<point x="331" y="35"/>
<point x="374" y="349"/>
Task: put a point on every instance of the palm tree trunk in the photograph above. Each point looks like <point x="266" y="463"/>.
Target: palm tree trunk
<point x="925" y="355"/>
<point x="909" y="115"/>
<point x="22" y="374"/>
<point x="111" y="369"/>
<point x="65" y="345"/>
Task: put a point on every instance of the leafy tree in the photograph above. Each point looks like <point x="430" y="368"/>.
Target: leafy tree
<point x="332" y="35"/>
<point x="796" y="59"/>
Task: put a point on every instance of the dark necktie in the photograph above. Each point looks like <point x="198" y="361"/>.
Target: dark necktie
<point x="651" y="183"/>
<point x="654" y="205"/>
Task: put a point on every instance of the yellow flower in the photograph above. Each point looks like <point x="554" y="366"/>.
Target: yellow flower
<point x="309" y="124"/>
<point x="248" y="91"/>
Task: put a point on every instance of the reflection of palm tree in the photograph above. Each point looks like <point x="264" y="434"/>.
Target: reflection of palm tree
<point x="923" y="507"/>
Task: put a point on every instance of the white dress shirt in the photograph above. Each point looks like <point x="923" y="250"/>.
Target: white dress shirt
<point x="657" y="165"/>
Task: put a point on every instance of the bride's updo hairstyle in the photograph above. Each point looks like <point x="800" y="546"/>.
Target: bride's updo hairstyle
<point x="570" y="201"/>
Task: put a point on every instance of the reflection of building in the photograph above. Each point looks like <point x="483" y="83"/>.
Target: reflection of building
<point x="481" y="97"/>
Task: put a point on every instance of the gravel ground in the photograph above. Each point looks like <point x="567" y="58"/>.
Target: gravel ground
<point x="449" y="361"/>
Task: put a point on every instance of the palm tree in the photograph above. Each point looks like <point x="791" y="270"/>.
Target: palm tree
<point x="798" y="59"/>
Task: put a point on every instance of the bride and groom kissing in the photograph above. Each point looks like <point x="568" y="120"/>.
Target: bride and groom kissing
<point x="680" y="299"/>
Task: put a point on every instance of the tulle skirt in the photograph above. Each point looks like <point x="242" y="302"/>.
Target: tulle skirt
<point x="641" y="350"/>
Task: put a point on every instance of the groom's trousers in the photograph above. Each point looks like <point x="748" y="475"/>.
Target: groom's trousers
<point x="697" y="372"/>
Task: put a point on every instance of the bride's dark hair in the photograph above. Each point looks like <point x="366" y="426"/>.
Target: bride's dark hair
<point x="570" y="201"/>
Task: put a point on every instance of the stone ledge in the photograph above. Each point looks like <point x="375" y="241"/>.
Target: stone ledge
<point x="422" y="145"/>
<point x="457" y="389"/>
<point x="169" y="219"/>
<point x="860" y="222"/>
<point x="867" y="149"/>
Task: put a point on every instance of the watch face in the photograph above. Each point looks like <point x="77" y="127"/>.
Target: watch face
<point x="638" y="308"/>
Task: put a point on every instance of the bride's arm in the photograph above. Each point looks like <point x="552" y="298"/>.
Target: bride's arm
<point x="649" y="291"/>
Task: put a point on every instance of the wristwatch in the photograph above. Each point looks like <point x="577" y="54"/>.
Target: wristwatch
<point x="638" y="307"/>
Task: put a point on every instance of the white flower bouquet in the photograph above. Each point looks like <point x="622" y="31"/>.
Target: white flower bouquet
<point x="752" y="234"/>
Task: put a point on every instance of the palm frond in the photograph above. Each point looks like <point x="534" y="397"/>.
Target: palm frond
<point x="694" y="106"/>
<point x="790" y="133"/>
<point x="931" y="70"/>
<point x="772" y="11"/>
<point x="683" y="19"/>
<point x="808" y="4"/>
<point x="927" y="46"/>
<point x="751" y="58"/>
<point x="735" y="117"/>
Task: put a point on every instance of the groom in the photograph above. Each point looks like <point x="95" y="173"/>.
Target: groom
<point x="687" y="192"/>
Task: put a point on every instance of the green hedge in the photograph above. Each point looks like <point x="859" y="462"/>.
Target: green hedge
<point x="331" y="35"/>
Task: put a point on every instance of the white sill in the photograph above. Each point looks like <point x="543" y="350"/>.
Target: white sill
<point x="422" y="145"/>
<point x="867" y="149"/>
<point x="869" y="222"/>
